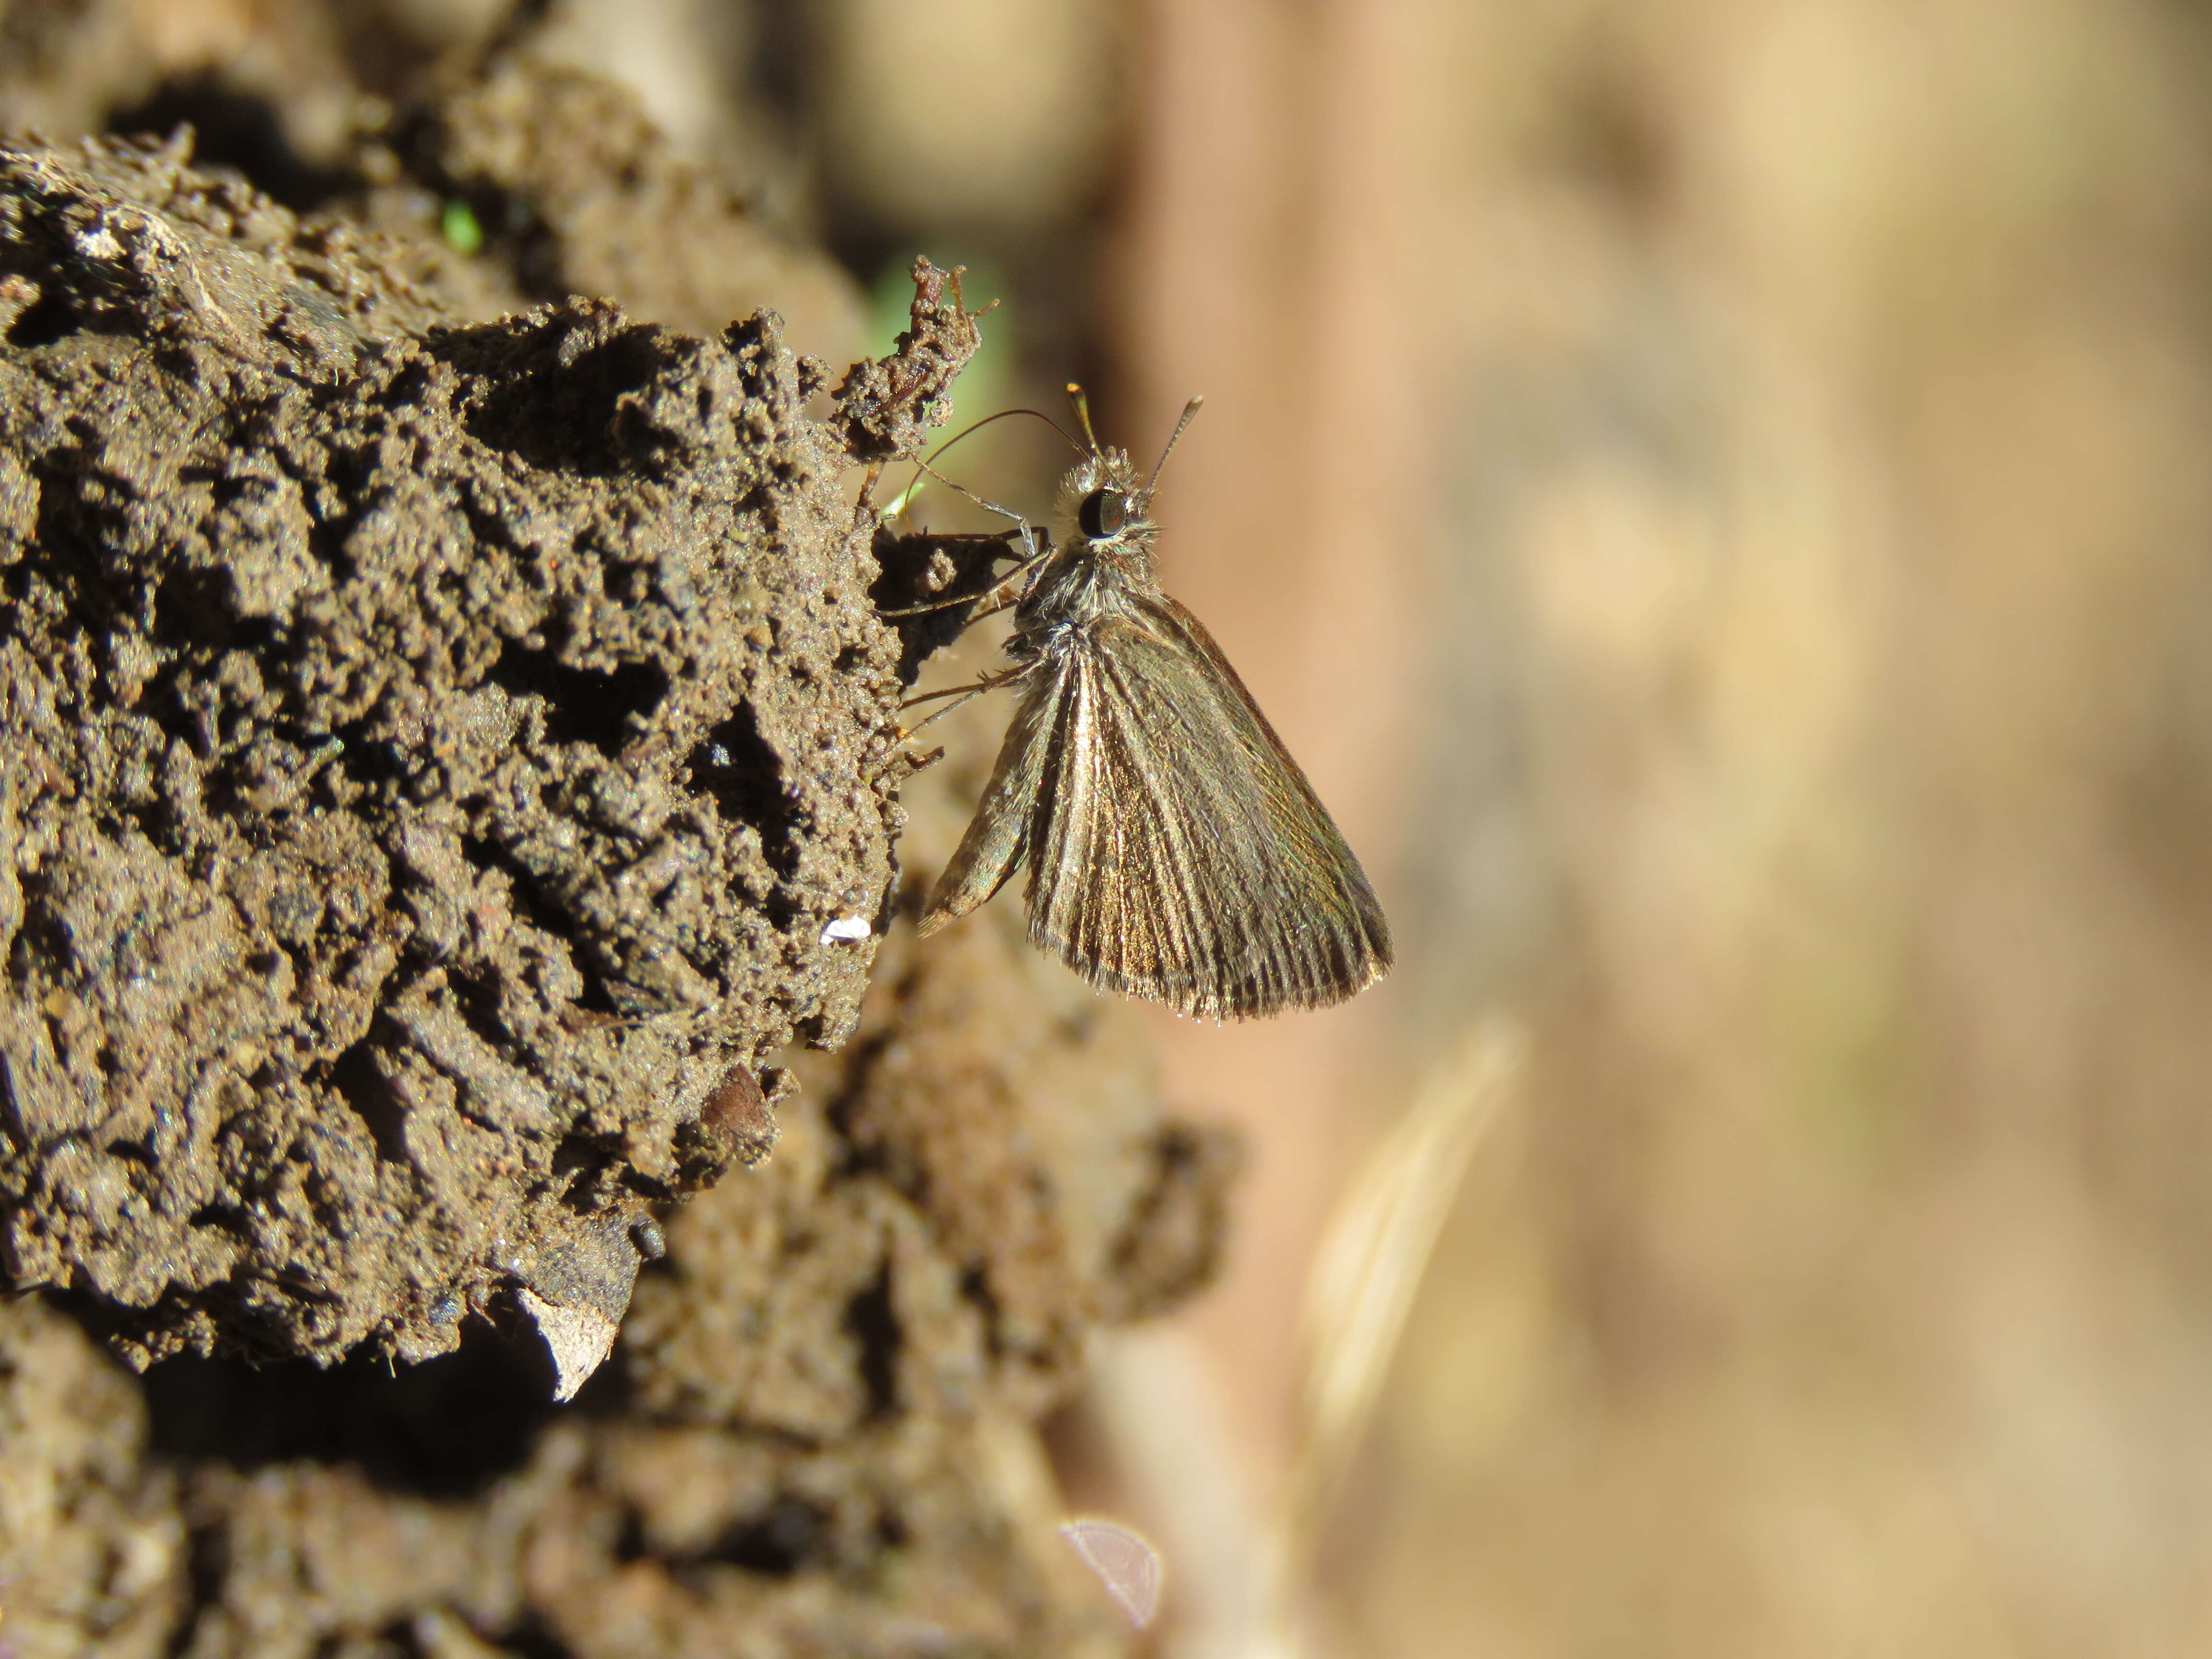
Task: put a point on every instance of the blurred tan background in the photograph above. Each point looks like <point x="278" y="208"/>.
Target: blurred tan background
<point x="1711" y="493"/>
<point x="1750" y="565"/>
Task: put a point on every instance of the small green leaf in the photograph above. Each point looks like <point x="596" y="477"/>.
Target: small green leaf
<point x="458" y="224"/>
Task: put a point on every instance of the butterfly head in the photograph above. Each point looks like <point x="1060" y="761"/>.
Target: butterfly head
<point x="1104" y="509"/>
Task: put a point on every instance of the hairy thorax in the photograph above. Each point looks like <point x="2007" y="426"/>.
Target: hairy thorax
<point x="1078" y="588"/>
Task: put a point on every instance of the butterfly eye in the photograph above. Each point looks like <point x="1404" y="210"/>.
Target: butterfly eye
<point x="1104" y="512"/>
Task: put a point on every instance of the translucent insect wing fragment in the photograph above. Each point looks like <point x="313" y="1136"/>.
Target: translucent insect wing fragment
<point x="1127" y="1565"/>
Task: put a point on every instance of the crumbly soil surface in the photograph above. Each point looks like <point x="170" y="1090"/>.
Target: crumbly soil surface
<point x="437" y="745"/>
<point x="815" y="1436"/>
<point x="433" y="755"/>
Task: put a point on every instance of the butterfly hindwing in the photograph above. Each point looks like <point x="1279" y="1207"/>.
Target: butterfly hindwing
<point x="1176" y="851"/>
<point x="998" y="836"/>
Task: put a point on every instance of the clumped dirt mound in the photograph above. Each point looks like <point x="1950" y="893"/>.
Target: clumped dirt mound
<point x="434" y="748"/>
<point x="433" y="756"/>
<point x="814" y="1437"/>
<point x="91" y="1541"/>
<point x="575" y="192"/>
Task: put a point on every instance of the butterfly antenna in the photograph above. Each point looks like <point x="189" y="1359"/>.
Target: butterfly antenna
<point x="1189" y="410"/>
<point x="1075" y="395"/>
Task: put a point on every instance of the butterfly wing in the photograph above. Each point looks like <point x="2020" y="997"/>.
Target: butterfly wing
<point x="998" y="837"/>
<point x="1177" y="851"/>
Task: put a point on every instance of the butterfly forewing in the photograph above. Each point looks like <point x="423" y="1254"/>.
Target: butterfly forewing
<point x="1177" y="851"/>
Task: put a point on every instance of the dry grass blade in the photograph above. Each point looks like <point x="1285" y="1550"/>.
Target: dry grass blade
<point x="1370" y="1262"/>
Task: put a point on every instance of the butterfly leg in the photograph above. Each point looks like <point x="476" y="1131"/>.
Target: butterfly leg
<point x="999" y="593"/>
<point x="962" y="694"/>
<point x="1025" y="530"/>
